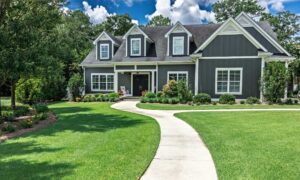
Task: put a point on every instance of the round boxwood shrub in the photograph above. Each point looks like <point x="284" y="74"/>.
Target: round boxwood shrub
<point x="150" y="95"/>
<point x="165" y="100"/>
<point x="202" y="98"/>
<point x="227" y="99"/>
<point x="252" y="100"/>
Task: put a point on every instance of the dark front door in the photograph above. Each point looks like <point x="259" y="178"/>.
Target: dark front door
<point x="140" y="84"/>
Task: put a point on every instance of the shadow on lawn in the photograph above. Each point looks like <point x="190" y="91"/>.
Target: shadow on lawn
<point x="14" y="168"/>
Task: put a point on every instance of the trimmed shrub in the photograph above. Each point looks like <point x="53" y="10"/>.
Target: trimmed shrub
<point x="184" y="93"/>
<point x="289" y="102"/>
<point x="150" y="95"/>
<point x="170" y="89"/>
<point x="40" y="117"/>
<point x="41" y="108"/>
<point x="27" y="123"/>
<point x="227" y="99"/>
<point x="159" y="94"/>
<point x="74" y="85"/>
<point x="113" y="95"/>
<point x="214" y="103"/>
<point x="202" y="98"/>
<point x="173" y="100"/>
<point x="165" y="100"/>
<point x="8" y="127"/>
<point x="242" y="102"/>
<point x="252" y="100"/>
<point x="295" y="101"/>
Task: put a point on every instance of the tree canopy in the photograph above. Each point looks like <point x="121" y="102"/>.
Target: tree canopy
<point x="159" y="21"/>
<point x="118" y="25"/>
<point x="232" y="8"/>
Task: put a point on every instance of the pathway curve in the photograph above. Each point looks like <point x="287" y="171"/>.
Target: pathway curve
<point x="181" y="153"/>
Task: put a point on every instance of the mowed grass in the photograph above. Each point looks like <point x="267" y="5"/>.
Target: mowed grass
<point x="157" y="106"/>
<point x="251" y="145"/>
<point x="89" y="141"/>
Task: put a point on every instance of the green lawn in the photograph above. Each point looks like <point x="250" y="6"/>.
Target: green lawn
<point x="157" y="106"/>
<point x="251" y="145"/>
<point x="89" y="141"/>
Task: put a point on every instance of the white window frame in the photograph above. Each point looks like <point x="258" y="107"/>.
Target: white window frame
<point x="179" y="72"/>
<point x="173" y="49"/>
<point x="102" y="45"/>
<point x="103" y="74"/>
<point x="228" y="80"/>
<point x="140" y="46"/>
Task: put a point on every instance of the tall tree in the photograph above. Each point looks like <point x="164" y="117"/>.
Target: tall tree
<point x="26" y="31"/>
<point x="159" y="21"/>
<point x="118" y="25"/>
<point x="231" y="8"/>
<point x="3" y="7"/>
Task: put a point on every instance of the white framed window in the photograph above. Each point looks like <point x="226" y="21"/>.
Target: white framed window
<point x="135" y="48"/>
<point x="178" y="45"/>
<point x="178" y="75"/>
<point x="104" y="51"/>
<point x="102" y="81"/>
<point x="229" y="80"/>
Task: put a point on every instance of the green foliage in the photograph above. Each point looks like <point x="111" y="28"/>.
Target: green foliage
<point x="41" y="108"/>
<point x="29" y="91"/>
<point x="8" y="116"/>
<point x="184" y="93"/>
<point x="75" y="84"/>
<point x="159" y="94"/>
<point x="27" y="123"/>
<point x="170" y="89"/>
<point x="274" y="81"/>
<point x="242" y="102"/>
<point x="21" y="111"/>
<point x="40" y="117"/>
<point x="202" y="98"/>
<point x="289" y="102"/>
<point x="8" y="127"/>
<point x="173" y="100"/>
<point x="159" y="20"/>
<point x="118" y="25"/>
<point x="252" y="100"/>
<point x="296" y="101"/>
<point x="231" y="8"/>
<point x="227" y="99"/>
<point x="150" y="95"/>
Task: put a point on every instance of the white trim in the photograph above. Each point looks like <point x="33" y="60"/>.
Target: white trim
<point x="116" y="74"/>
<point x="101" y="90"/>
<point x="178" y="72"/>
<point x="139" y="73"/>
<point x="181" y="38"/>
<point x="172" y="29"/>
<point x="84" y="84"/>
<point x="231" y="22"/>
<point x="231" y="57"/>
<point x="104" y="33"/>
<point x="263" y="32"/>
<point x="126" y="46"/>
<point x="141" y="31"/>
<point x="286" y="64"/>
<point x="100" y="51"/>
<point x="168" y="50"/>
<point x="263" y="63"/>
<point x="152" y="82"/>
<point x="140" y="46"/>
<point x="228" y="80"/>
<point x="196" y="77"/>
<point x="156" y="76"/>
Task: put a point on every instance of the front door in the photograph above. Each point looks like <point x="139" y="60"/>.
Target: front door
<point x="140" y="84"/>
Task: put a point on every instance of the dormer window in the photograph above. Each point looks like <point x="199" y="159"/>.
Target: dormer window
<point x="104" y="51"/>
<point x="135" y="47"/>
<point x="178" y="45"/>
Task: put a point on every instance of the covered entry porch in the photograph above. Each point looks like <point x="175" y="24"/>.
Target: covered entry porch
<point x="133" y="80"/>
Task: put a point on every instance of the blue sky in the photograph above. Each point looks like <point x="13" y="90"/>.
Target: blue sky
<point x="186" y="11"/>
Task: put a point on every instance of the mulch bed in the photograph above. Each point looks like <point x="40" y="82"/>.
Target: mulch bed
<point x="42" y="124"/>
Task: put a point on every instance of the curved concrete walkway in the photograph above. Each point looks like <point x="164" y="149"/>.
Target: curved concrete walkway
<point x="181" y="153"/>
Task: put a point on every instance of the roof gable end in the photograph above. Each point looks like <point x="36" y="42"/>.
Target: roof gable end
<point x="135" y="29"/>
<point x="178" y="27"/>
<point x="105" y="36"/>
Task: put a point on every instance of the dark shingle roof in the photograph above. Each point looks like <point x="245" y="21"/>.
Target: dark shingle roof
<point x="158" y="49"/>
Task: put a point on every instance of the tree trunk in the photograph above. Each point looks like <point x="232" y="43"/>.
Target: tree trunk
<point x="0" y="106"/>
<point x="13" y="95"/>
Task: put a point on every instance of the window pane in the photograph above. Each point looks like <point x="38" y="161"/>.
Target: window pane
<point x="178" y="46"/>
<point x="182" y="77"/>
<point x="104" y="51"/>
<point x="110" y="78"/>
<point x="102" y="86"/>
<point x="95" y="78"/>
<point x="234" y="87"/>
<point x="222" y="87"/>
<point x="172" y="76"/>
<point x="235" y="75"/>
<point x="110" y="86"/>
<point x="102" y="78"/>
<point x="135" y="46"/>
<point x="222" y="75"/>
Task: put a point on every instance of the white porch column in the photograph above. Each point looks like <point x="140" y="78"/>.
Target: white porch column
<point x="263" y="64"/>
<point x="84" y="85"/>
<point x="197" y="76"/>
<point x="116" y="82"/>
<point x="286" y="84"/>
<point x="152" y="81"/>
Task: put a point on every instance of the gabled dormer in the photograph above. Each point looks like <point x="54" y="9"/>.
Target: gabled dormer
<point x="261" y="35"/>
<point x="178" y="40"/>
<point x="137" y="42"/>
<point x="106" y="45"/>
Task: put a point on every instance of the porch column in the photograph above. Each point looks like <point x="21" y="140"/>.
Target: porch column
<point x="84" y="85"/>
<point x="116" y="82"/>
<point x="152" y="81"/>
<point x="196" y="76"/>
<point x="263" y="64"/>
<point x="286" y="84"/>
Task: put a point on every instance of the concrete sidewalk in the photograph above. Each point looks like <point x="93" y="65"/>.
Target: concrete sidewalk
<point x="181" y="153"/>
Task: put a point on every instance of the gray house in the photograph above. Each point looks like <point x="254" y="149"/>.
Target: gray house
<point x="216" y="59"/>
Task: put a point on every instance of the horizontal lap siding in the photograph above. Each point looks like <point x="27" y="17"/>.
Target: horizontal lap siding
<point x="163" y="74"/>
<point x="89" y="71"/>
<point x="251" y="75"/>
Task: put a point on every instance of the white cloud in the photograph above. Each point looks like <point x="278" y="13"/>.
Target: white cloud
<point x="135" y="21"/>
<point x="185" y="11"/>
<point x="277" y="5"/>
<point x="128" y="3"/>
<point x="97" y="15"/>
